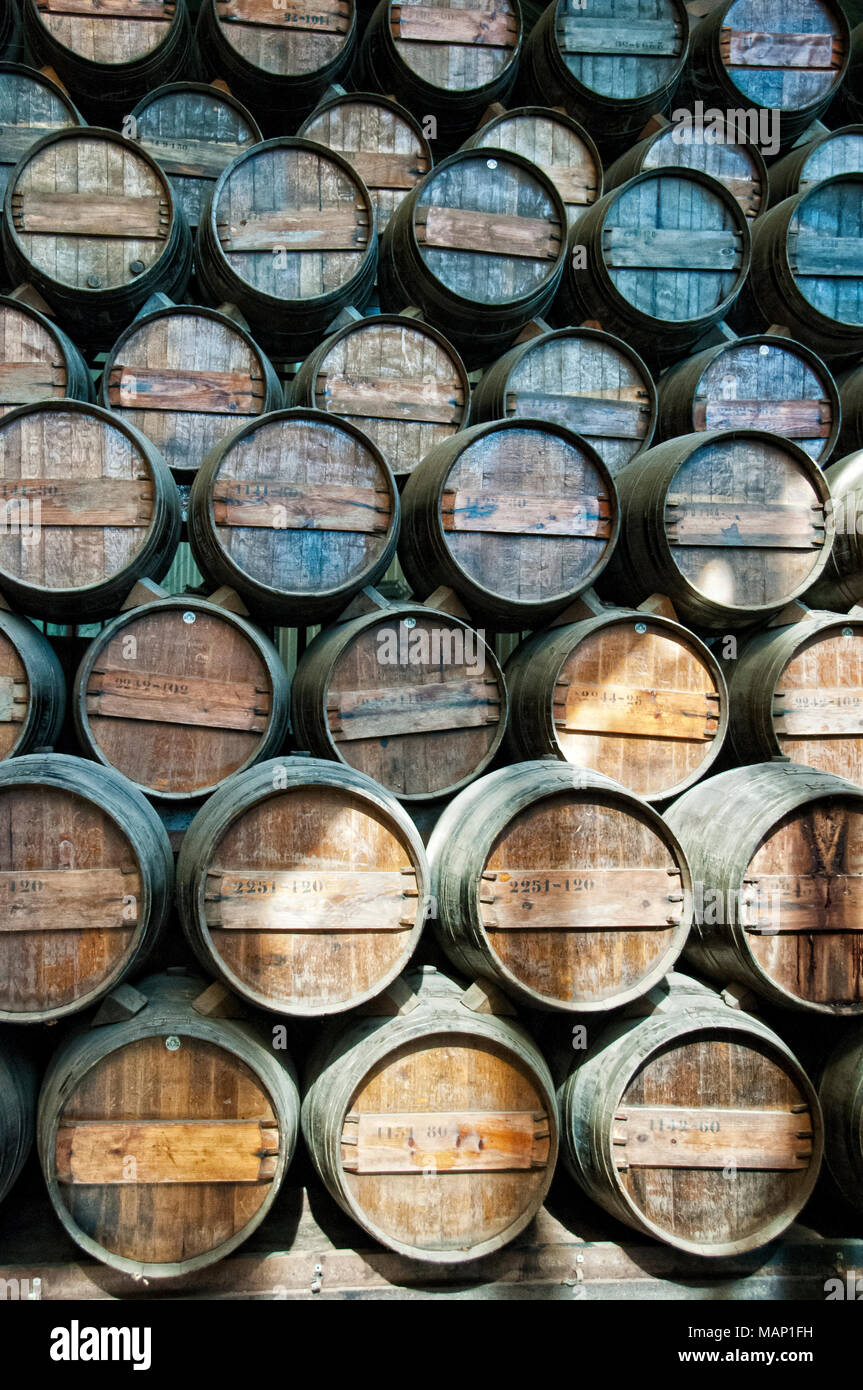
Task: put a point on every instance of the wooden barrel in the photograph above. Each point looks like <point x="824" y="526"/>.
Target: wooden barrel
<point x="560" y="886"/>
<point x="193" y="131"/>
<point x="187" y="377"/>
<point x="379" y="138"/>
<point x="849" y="104"/>
<point x="607" y="69"/>
<point x="518" y="516"/>
<point x="631" y="695"/>
<point x="840" y="584"/>
<point x="399" y="380"/>
<point x="18" y="1088"/>
<point x="590" y="381"/>
<point x="850" y="386"/>
<point x="89" y="507"/>
<point x="833" y="152"/>
<point x="289" y="237"/>
<point x="277" y="59"/>
<point x="109" y="55"/>
<point x="37" y="360"/>
<point x="411" y="697"/>
<point x="657" y="261"/>
<point x="303" y="886"/>
<point x="179" y="694"/>
<point x="32" y="688"/>
<point x="436" y="1130"/>
<point x="553" y="141"/>
<point x="478" y="246"/>
<point x="761" y="382"/>
<point x="840" y="1092"/>
<point x="731" y="526"/>
<point x="85" y="875"/>
<point x="164" y="1138"/>
<point x="797" y="692"/>
<point x="715" y="146"/>
<point x="450" y="60"/>
<point x="297" y="512"/>
<point x="775" y="852"/>
<point x="30" y="106"/>
<point x="754" y="55"/>
<point x="694" y="1124"/>
<point x="807" y="269"/>
<point x="98" y="252"/>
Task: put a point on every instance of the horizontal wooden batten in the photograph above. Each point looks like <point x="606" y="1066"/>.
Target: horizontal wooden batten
<point x="452" y="1142"/>
<point x="328" y="18"/>
<point x="69" y="899"/>
<point x="487" y="233"/>
<point x="412" y="709"/>
<point x="109" y="9"/>
<point x="192" y="159"/>
<point x="169" y="388"/>
<point x="793" y="419"/>
<point x="575" y="186"/>
<point x="522" y="515"/>
<point x="622" y="414"/>
<point x="675" y="1136"/>
<point x="24" y="382"/>
<point x="91" y="215"/>
<point x="18" y="140"/>
<point x="477" y="28"/>
<point x="150" y="695"/>
<point x="310" y="900"/>
<point x="813" y="713"/>
<point x="773" y="525"/>
<point x="426" y="402"/>
<point x="320" y="229"/>
<point x="380" y="169"/>
<point x="14" y="700"/>
<point x="812" y="253"/>
<point x="574" y="899"/>
<point x="747" y="48"/>
<point x="672" y="248"/>
<point x="773" y="904"/>
<point x="281" y="506"/>
<point x="89" y="502"/>
<point x="625" y="37"/>
<point x="623" y="709"/>
<point x="105" y="1153"/>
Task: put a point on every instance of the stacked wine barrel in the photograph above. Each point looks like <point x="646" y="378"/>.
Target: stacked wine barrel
<point x="431" y="483"/>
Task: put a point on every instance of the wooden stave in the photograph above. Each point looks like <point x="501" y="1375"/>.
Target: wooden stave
<point x="778" y="299"/>
<point x="589" y="1093"/>
<point x="310" y="684"/>
<point x="79" y="383"/>
<point x="277" y="725"/>
<point x="277" y="102"/>
<point x="489" y="395"/>
<point x="533" y="668"/>
<point x="748" y="804"/>
<point x="634" y="161"/>
<point x="274" y="395"/>
<point x="840" y="584"/>
<point x="485" y="136"/>
<point x="850" y="386"/>
<point x="345" y="1055"/>
<point x="151" y="561"/>
<point x="225" y="806"/>
<point x="117" y="797"/>
<point x="678" y="385"/>
<point x="426" y="560"/>
<point x="169" y="1009"/>
<point x="460" y="844"/>
<point x="707" y="76"/>
<point x="216" y="565"/>
<point x="403" y="278"/>
<point x="786" y="174"/>
<point x="110" y="89"/>
<point x="301" y="391"/>
<point x="92" y="313"/>
<point x="18" y="1087"/>
<point x="642" y="563"/>
<point x="46" y="706"/>
<point x="591" y="295"/>
<point x="613" y="122"/>
<point x="40" y="79"/>
<point x="753" y="678"/>
<point x="303" y="323"/>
